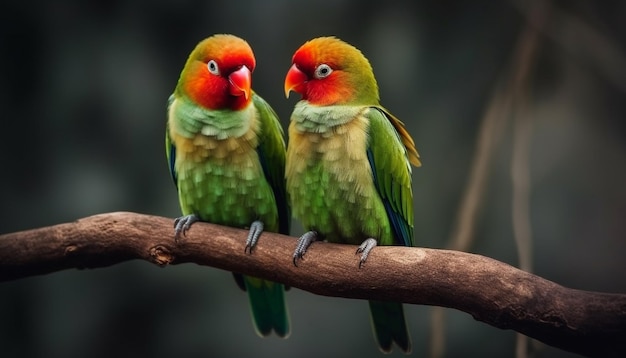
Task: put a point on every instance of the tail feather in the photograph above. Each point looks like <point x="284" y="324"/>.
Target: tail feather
<point x="390" y="326"/>
<point x="267" y="304"/>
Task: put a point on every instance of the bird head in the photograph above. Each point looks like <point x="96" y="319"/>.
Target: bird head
<point x="218" y="73"/>
<point x="327" y="71"/>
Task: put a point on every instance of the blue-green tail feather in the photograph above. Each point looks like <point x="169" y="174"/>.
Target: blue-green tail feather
<point x="267" y="304"/>
<point x="390" y="326"/>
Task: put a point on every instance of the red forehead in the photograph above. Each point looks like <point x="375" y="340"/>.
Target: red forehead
<point x="228" y="50"/>
<point x="328" y="50"/>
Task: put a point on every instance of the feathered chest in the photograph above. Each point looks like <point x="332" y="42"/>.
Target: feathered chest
<point x="328" y="146"/>
<point x="216" y="137"/>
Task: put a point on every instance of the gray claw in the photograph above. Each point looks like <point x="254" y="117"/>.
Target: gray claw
<point x="303" y="244"/>
<point x="183" y="223"/>
<point x="256" y="228"/>
<point x="365" y="249"/>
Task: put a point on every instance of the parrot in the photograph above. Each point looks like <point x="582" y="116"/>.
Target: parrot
<point x="348" y="167"/>
<point x="226" y="154"/>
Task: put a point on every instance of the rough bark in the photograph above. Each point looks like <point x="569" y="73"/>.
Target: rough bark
<point x="588" y="323"/>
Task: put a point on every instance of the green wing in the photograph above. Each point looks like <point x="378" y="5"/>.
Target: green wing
<point x="266" y="297"/>
<point x="389" y="159"/>
<point x="170" y="149"/>
<point x="272" y="152"/>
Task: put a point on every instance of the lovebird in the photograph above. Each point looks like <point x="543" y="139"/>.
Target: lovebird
<point x="348" y="167"/>
<point x="226" y="154"/>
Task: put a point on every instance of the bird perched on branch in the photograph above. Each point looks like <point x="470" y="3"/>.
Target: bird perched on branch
<point x="226" y="153"/>
<point x="348" y="165"/>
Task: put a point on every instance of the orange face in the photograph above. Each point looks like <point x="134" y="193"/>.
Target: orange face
<point x="218" y="73"/>
<point x="321" y="72"/>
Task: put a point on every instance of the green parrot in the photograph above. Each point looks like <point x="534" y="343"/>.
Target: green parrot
<point x="226" y="154"/>
<point x="348" y="167"/>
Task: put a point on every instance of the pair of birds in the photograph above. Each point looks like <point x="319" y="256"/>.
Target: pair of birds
<point x="346" y="173"/>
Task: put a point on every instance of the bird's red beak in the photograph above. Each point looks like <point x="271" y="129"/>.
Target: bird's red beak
<point x="241" y="82"/>
<point x="295" y="80"/>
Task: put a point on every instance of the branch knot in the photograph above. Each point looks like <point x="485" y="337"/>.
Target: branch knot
<point x="161" y="255"/>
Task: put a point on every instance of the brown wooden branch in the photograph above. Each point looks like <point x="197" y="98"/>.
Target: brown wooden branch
<point x="493" y="292"/>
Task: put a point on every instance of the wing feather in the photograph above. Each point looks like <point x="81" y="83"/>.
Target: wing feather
<point x="170" y="148"/>
<point x="391" y="151"/>
<point x="272" y="152"/>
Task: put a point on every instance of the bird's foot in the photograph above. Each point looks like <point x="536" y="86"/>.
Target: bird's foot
<point x="365" y="249"/>
<point x="256" y="228"/>
<point x="183" y="223"/>
<point x="303" y="244"/>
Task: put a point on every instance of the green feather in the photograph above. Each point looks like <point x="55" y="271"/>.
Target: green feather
<point x="343" y="184"/>
<point x="225" y="193"/>
<point x="389" y="326"/>
<point x="392" y="173"/>
<point x="321" y="193"/>
<point x="267" y="305"/>
<point x="272" y="156"/>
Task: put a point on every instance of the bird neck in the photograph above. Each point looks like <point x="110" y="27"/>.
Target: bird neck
<point x="320" y="119"/>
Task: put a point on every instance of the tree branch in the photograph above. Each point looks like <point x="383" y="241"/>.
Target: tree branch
<point x="493" y="292"/>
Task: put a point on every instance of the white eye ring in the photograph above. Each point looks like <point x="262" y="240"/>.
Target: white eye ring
<point x="212" y="67"/>
<point x="323" y="71"/>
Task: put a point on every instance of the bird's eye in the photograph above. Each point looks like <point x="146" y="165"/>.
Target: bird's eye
<point x="323" y="71"/>
<point x="212" y="66"/>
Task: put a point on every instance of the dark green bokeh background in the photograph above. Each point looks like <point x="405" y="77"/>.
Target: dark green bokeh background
<point x="83" y="93"/>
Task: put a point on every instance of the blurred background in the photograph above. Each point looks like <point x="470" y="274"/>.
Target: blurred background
<point x="83" y="94"/>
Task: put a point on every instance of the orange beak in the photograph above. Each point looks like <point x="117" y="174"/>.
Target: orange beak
<point x="295" y="80"/>
<point x="241" y="82"/>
